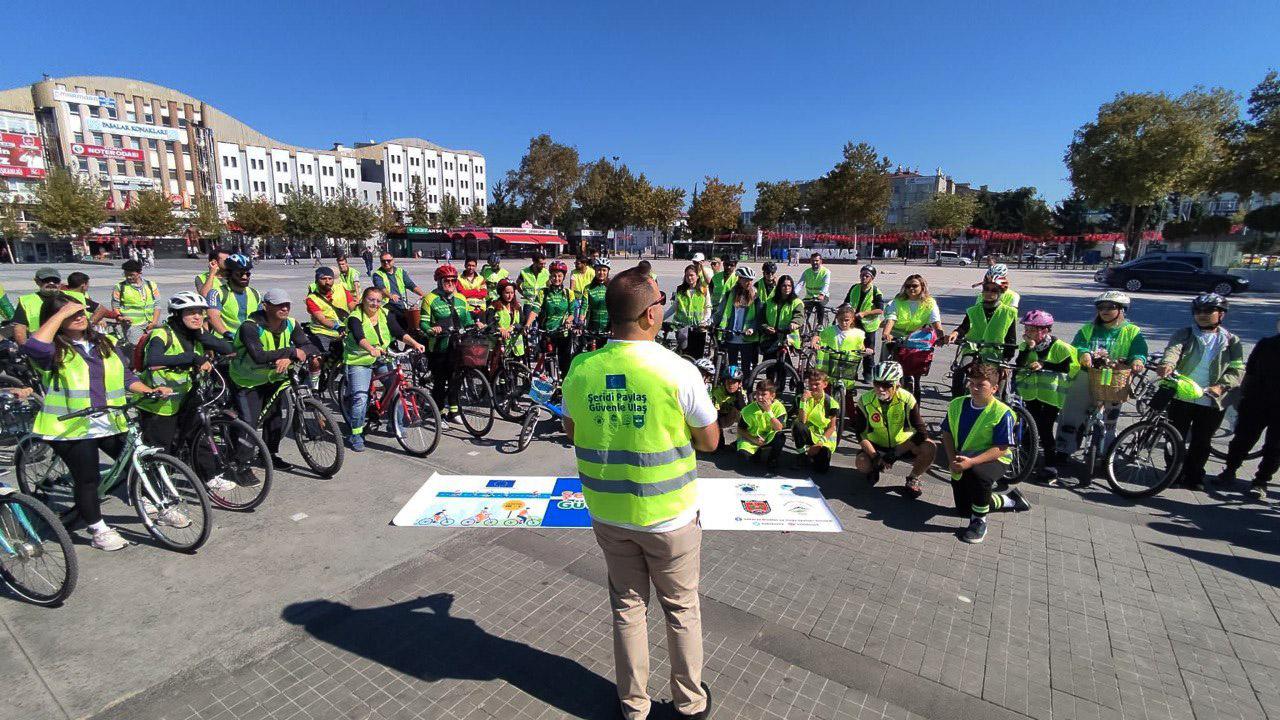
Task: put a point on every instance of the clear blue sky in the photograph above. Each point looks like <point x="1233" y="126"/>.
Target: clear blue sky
<point x="989" y="91"/>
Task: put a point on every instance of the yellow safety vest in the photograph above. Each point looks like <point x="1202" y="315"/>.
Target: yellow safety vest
<point x="845" y="367"/>
<point x="691" y="306"/>
<point x="995" y="330"/>
<point x="333" y="309"/>
<point x="377" y="332"/>
<point x="816" y="421"/>
<point x="506" y="318"/>
<point x="760" y="425"/>
<point x="981" y="435"/>
<point x="907" y="322"/>
<point x="349" y="280"/>
<point x="1047" y="386"/>
<point x="176" y="378"/>
<point x="865" y="303"/>
<point x="244" y="372"/>
<point x="137" y="305"/>
<point x="232" y="314"/>
<point x="493" y="277"/>
<point x="67" y="391"/>
<point x="887" y="427"/>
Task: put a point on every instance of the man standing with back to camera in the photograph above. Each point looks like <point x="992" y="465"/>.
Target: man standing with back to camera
<point x="635" y="412"/>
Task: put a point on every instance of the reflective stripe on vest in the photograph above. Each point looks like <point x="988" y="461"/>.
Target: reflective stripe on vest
<point x="176" y="378"/>
<point x="473" y="290"/>
<point x="865" y="303"/>
<point x="887" y="427"/>
<point x="247" y="374"/>
<point x="719" y="286"/>
<point x="748" y="319"/>
<point x="1047" y="386"/>
<point x="633" y="446"/>
<point x="760" y="425"/>
<point x="333" y="309"/>
<point x="907" y="322"/>
<point x="691" y="307"/>
<point x="816" y="421"/>
<point x="846" y="367"/>
<point x="233" y="316"/>
<point x="138" y="306"/>
<point x="530" y="283"/>
<point x="349" y="280"/>
<point x="68" y="392"/>
<point x="995" y="330"/>
<point x="378" y="333"/>
<point x="981" y="435"/>
<point x="510" y="317"/>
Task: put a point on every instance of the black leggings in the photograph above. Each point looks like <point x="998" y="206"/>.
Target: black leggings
<point x="444" y="381"/>
<point x="251" y="401"/>
<point x="561" y="348"/>
<point x="81" y="457"/>
<point x="742" y="354"/>
<point x="1045" y="416"/>
<point x="1253" y="420"/>
<point x="1201" y="421"/>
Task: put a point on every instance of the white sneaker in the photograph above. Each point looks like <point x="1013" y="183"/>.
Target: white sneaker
<point x="220" y="484"/>
<point x="108" y="540"/>
<point x="173" y="517"/>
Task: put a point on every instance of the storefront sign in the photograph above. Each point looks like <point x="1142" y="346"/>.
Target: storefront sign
<point x="151" y="132"/>
<point x="109" y="153"/>
<point x="21" y="156"/>
<point x="84" y="98"/>
<point x="130" y="182"/>
<point x="414" y="230"/>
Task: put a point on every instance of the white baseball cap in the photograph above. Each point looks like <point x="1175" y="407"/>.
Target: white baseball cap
<point x="699" y="257"/>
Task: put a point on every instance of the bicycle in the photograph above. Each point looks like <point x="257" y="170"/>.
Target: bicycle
<point x="967" y="353"/>
<point x="1105" y="391"/>
<point x="17" y="415"/>
<point x="837" y="366"/>
<point x="668" y="339"/>
<point x="786" y="371"/>
<point x="509" y="377"/>
<point x="37" y="560"/>
<point x="546" y="398"/>
<point x="815" y="318"/>
<point x="473" y="394"/>
<point x="1027" y="436"/>
<point x="312" y="425"/>
<point x="169" y="499"/>
<point x="1147" y="456"/>
<point x="590" y="340"/>
<point x="413" y="417"/>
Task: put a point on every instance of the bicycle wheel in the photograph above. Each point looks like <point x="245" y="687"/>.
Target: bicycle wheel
<point x="1028" y="448"/>
<point x="319" y="439"/>
<point x="43" y="476"/>
<point x="791" y="387"/>
<point x="233" y="450"/>
<point x="475" y="402"/>
<point x="37" y="559"/>
<point x="1144" y="459"/>
<point x="527" y="426"/>
<point x="335" y="386"/>
<point x="511" y="390"/>
<point x="1226" y="431"/>
<point x="415" y="421"/>
<point x="1092" y="454"/>
<point x="171" y="502"/>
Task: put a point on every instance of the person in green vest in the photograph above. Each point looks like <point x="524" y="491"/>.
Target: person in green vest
<point x="817" y="416"/>
<point x="267" y="343"/>
<point x="233" y="301"/>
<point x="1046" y="367"/>
<point x="724" y="280"/>
<point x="780" y="324"/>
<point x="768" y="281"/>
<point x="444" y="310"/>
<point x="595" y="310"/>
<point x="82" y="368"/>
<point x="582" y="274"/>
<point x="172" y="353"/>
<point x="868" y="307"/>
<point x="911" y="310"/>
<point x="6" y="306"/>
<point x="843" y="337"/>
<point x="138" y="302"/>
<point x="216" y="274"/>
<point x="395" y="283"/>
<point x="737" y="318"/>
<point x="31" y="305"/>
<point x="328" y="305"/>
<point x="690" y="314"/>
<point x="999" y="273"/>
<point x="493" y="274"/>
<point x="978" y="435"/>
<point x="991" y="321"/>
<point x="727" y="396"/>
<point x="556" y="311"/>
<point x="77" y="288"/>
<point x="889" y="426"/>
<point x="816" y="282"/>
<point x="762" y="424"/>
<point x="639" y="473"/>
<point x="370" y="332"/>
<point x="532" y="279"/>
<point x="504" y="314"/>
<point x="348" y="277"/>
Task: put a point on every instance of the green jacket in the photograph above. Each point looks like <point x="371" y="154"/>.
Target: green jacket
<point x="1227" y="369"/>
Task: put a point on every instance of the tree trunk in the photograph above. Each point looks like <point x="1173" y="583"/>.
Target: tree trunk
<point x="1128" y="230"/>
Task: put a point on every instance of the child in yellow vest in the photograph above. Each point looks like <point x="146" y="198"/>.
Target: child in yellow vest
<point x="762" y="424"/>
<point x="814" y="431"/>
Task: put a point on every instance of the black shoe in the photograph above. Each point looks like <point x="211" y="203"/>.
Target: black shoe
<point x="1226" y="478"/>
<point x="280" y="463"/>
<point x="1020" y="502"/>
<point x="976" y="533"/>
<point x="706" y="712"/>
<point x="1257" y="493"/>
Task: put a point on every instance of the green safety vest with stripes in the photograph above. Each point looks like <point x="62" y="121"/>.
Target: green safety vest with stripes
<point x="906" y="322"/>
<point x="995" y="330"/>
<point x="1047" y="386"/>
<point x="32" y="304"/>
<point x="233" y="316"/>
<point x="887" y="427"/>
<point x="176" y="378"/>
<point x="816" y="420"/>
<point x="436" y="309"/>
<point x="349" y="280"/>
<point x="633" y="446"/>
<point x="333" y="309"/>
<point x="778" y="316"/>
<point x="377" y="332"/>
<point x="393" y="282"/>
<point x="137" y="305"/>
<point x="492" y="278"/>
<point x="1118" y="345"/>
<point x="843" y="367"/>
<point x="866" y="302"/>
<point x="67" y="391"/>
<point x="720" y="284"/>
<point x="813" y="282"/>
<point x="505" y="318"/>
<point x="748" y="321"/>
<point x="247" y="374"/>
<point x="531" y="283"/>
<point x="691" y="307"/>
<point x="981" y="435"/>
<point x="760" y="425"/>
<point x="1008" y="297"/>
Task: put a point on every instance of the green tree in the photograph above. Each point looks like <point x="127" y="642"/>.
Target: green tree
<point x="387" y="218"/>
<point x="1255" y="146"/>
<point x="10" y="217"/>
<point x="151" y="214"/>
<point x="663" y="208"/>
<point x="304" y="216"/>
<point x="1071" y="216"/>
<point x="777" y="203"/>
<point x="208" y="221"/>
<point x="419" y="215"/>
<point x="69" y="205"/>
<point x="1264" y="219"/>
<point x="450" y="212"/>
<point x="855" y="192"/>
<point x="348" y="219"/>
<point x="1144" y="146"/>
<point x="257" y="218"/>
<point x="609" y="196"/>
<point x="952" y="213"/>
<point x="546" y="178"/>
<point x="717" y="208"/>
<point x="1037" y="221"/>
<point x="504" y="211"/>
<point x="477" y="216"/>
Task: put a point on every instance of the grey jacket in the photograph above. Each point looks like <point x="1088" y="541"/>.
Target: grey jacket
<point x="1227" y="369"/>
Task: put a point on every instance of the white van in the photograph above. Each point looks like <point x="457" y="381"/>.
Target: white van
<point x="950" y="257"/>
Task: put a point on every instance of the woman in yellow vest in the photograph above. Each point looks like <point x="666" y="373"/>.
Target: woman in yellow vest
<point x="990" y="321"/>
<point x="912" y="309"/>
<point x="691" y="313"/>
<point x="889" y="426"/>
<point x="978" y="434"/>
<point x="816" y="423"/>
<point x="738" y="317"/>
<point x="1046" y="367"/>
<point x="868" y="305"/>
<point x="82" y="368"/>
<point x="370" y="331"/>
<point x="504" y="315"/>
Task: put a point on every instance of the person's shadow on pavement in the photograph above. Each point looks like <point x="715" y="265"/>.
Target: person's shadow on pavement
<point x="436" y="645"/>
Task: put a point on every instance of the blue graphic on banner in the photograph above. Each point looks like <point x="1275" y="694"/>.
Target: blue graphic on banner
<point x="501" y="483"/>
<point x="567" y="508"/>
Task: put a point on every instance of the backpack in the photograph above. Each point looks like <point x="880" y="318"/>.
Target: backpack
<point x="139" y="361"/>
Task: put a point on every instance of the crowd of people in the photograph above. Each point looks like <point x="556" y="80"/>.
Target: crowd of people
<point x="721" y="309"/>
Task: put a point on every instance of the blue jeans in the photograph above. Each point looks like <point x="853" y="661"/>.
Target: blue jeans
<point x="357" y="400"/>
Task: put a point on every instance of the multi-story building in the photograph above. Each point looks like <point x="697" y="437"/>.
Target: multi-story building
<point x="133" y="135"/>
<point x="910" y="189"/>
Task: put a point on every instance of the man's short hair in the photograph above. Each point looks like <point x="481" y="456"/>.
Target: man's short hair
<point x="985" y="371"/>
<point x="628" y="295"/>
<point x="816" y="255"/>
<point x="766" y="385"/>
<point x="77" y="279"/>
<point x="538" y="255"/>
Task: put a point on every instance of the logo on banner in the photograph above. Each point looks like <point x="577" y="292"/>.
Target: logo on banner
<point x="796" y="507"/>
<point x="756" y="507"/>
<point x="747" y="488"/>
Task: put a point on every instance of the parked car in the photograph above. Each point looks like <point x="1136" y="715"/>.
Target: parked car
<point x="1050" y="258"/>
<point x="1158" y="274"/>
<point x="951" y="257"/>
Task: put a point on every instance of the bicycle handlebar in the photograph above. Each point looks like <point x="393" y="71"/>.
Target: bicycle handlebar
<point x="103" y="409"/>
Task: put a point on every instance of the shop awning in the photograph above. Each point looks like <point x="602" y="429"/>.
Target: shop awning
<point x="531" y="239"/>
<point x="469" y="235"/>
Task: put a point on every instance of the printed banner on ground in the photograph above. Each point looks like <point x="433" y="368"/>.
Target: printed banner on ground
<point x="466" y="501"/>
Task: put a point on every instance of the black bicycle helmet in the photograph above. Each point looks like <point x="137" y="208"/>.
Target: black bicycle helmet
<point x="1209" y="300"/>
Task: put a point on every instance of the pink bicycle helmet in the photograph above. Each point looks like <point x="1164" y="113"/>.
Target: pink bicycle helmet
<point x="1038" y="318"/>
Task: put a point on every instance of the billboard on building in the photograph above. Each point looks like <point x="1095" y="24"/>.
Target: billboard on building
<point x="107" y="153"/>
<point x="21" y="156"/>
<point x="151" y="132"/>
<point x="84" y="98"/>
<point x="130" y="182"/>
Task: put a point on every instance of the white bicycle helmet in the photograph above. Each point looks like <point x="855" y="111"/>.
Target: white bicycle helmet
<point x="1113" y="296"/>
<point x="745" y="271"/>
<point x="705" y="365"/>
<point x="887" y="371"/>
<point x="601" y="262"/>
<point x="186" y="300"/>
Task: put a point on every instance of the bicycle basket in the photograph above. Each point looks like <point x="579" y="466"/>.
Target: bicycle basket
<point x="1110" y="387"/>
<point x="540" y="390"/>
<point x="473" y="351"/>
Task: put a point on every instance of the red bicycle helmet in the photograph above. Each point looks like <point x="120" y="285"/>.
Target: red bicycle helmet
<point x="558" y="266"/>
<point x="446" y="271"/>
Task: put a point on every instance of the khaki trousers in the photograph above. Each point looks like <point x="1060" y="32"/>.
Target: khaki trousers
<point x="672" y="561"/>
